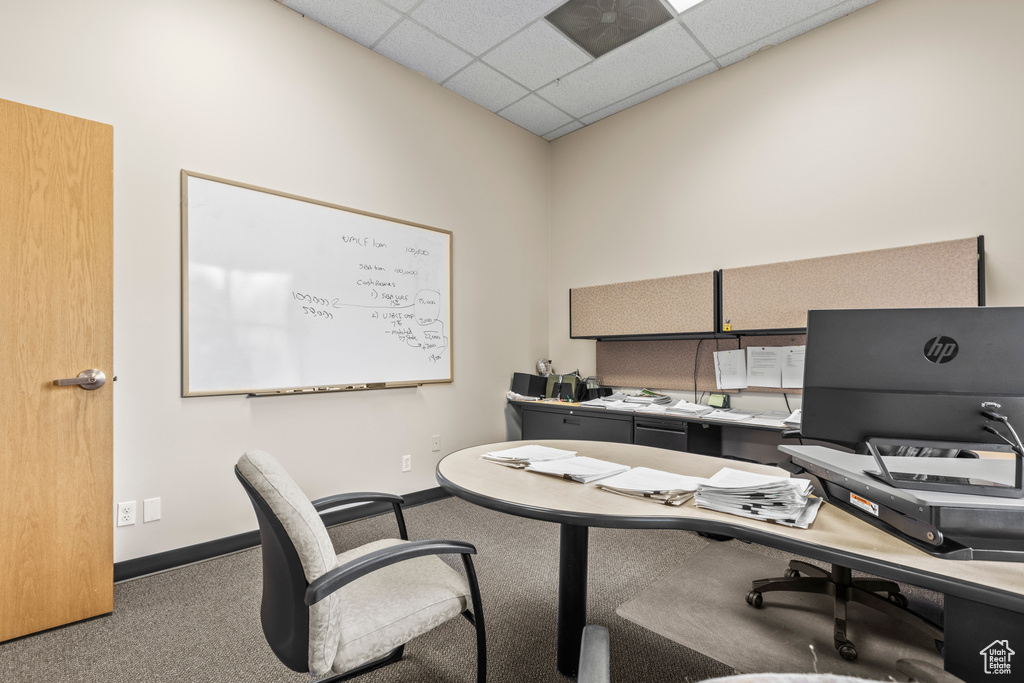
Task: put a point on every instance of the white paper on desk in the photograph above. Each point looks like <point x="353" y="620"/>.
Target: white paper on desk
<point x="764" y="422"/>
<point x="793" y="367"/>
<point x="806" y="517"/>
<point x="730" y="369"/>
<point x="684" y="407"/>
<point x="764" y="366"/>
<point x="647" y="480"/>
<point x="581" y="468"/>
<point x="655" y="408"/>
<point x="529" y="453"/>
<point x="729" y="478"/>
<point x="622" y="405"/>
<point x="728" y="415"/>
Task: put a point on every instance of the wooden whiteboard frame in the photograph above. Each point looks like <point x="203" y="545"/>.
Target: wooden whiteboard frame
<point x="316" y="388"/>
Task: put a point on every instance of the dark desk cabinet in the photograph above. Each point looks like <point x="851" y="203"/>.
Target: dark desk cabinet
<point x="542" y="421"/>
<point x="677" y="435"/>
<point x="561" y="421"/>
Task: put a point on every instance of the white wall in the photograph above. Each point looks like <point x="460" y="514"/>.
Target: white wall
<point x="897" y="125"/>
<point x="900" y="124"/>
<point x="250" y="91"/>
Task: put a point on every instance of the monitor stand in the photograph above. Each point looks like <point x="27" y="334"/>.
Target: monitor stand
<point x="961" y="475"/>
<point x="955" y="526"/>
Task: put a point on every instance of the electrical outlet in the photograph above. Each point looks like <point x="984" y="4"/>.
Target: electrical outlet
<point x="406" y="463"/>
<point x="126" y="513"/>
<point x="435" y="443"/>
<point x="150" y="510"/>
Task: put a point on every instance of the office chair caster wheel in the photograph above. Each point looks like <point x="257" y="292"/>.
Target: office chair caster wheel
<point x="791" y="574"/>
<point x="755" y="599"/>
<point x="847" y="651"/>
<point x="899" y="599"/>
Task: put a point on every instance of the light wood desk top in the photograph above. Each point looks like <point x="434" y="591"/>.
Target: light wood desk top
<point x="835" y="536"/>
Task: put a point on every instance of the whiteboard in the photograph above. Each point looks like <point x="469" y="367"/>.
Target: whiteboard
<point x="282" y="294"/>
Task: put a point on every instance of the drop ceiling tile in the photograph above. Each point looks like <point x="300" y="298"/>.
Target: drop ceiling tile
<point x="537" y="55"/>
<point x="564" y="130"/>
<point x="364" y="21"/>
<point x="691" y="75"/>
<point x="659" y="55"/>
<point x="726" y="25"/>
<point x="485" y="86"/>
<point x="792" y="31"/>
<point x="477" y="26"/>
<point x="402" y="5"/>
<point x="414" y="47"/>
<point x="535" y="115"/>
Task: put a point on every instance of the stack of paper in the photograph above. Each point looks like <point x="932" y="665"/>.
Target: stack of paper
<point x="521" y="456"/>
<point x="647" y="396"/>
<point x="581" y="469"/>
<point x="603" y="401"/>
<point x="729" y="415"/>
<point x="662" y="487"/>
<point x="684" y="407"/>
<point x="759" y="496"/>
<point x="622" y="405"/>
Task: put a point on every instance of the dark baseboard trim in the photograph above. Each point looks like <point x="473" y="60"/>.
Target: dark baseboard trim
<point x="158" y="562"/>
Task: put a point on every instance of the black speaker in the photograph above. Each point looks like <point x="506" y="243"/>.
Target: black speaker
<point x="526" y="384"/>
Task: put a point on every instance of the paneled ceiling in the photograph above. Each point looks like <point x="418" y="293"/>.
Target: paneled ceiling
<point x="511" y="59"/>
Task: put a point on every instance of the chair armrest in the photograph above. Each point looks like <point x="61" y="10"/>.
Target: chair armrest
<point x="362" y="497"/>
<point x="337" y="500"/>
<point x="378" y="559"/>
<point x="595" y="660"/>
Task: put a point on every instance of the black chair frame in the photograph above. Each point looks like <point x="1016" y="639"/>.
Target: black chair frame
<point x="287" y="595"/>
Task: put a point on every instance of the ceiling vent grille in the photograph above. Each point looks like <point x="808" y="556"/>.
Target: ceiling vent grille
<point x="600" y="26"/>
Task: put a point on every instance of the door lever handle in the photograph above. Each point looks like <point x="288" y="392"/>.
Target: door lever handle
<point x="87" y="379"/>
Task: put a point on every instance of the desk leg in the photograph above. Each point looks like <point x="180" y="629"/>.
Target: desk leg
<point x="572" y="595"/>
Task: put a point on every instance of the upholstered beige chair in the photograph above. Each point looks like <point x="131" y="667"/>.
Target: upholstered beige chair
<point x="341" y="615"/>
<point x="915" y="671"/>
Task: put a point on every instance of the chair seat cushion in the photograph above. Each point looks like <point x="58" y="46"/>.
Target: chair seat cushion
<point x="389" y="607"/>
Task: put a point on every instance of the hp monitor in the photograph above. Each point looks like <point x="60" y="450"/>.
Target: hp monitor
<point x="892" y="381"/>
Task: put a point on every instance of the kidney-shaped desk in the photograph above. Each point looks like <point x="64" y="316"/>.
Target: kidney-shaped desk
<point x="984" y="599"/>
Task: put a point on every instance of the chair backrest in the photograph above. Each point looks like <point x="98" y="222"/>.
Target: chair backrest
<point x="296" y="550"/>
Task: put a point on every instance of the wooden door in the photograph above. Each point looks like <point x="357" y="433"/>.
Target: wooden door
<point x="56" y="288"/>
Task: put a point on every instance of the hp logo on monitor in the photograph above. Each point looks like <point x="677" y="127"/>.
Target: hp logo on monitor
<point x="941" y="349"/>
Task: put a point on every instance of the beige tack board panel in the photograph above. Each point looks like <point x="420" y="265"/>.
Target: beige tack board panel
<point x="682" y="304"/>
<point x="671" y="364"/>
<point x="777" y="296"/>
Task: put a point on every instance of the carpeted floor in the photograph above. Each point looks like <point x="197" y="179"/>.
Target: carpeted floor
<point x="793" y="632"/>
<point x="201" y="623"/>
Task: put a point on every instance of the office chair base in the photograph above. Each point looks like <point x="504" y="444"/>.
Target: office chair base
<point x="844" y="589"/>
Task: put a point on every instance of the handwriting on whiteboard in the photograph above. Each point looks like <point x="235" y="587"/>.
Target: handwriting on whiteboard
<point x="410" y="319"/>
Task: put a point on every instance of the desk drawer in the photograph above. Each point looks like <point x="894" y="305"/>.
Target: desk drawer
<point x="539" y="424"/>
<point x="670" y="435"/>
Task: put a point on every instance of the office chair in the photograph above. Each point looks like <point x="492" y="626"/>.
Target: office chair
<point x="879" y="594"/>
<point x="346" y="614"/>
